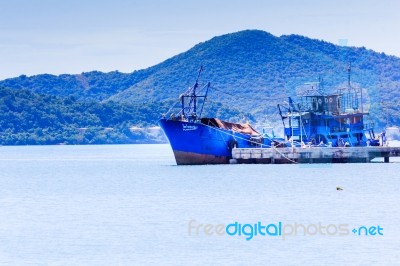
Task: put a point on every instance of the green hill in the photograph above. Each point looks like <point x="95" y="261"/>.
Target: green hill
<point x="31" y="118"/>
<point x="250" y="72"/>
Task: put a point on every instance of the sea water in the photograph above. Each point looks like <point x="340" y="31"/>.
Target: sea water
<point x="132" y="205"/>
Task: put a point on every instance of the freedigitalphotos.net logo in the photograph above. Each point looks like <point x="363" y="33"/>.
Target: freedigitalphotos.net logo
<point x="280" y="229"/>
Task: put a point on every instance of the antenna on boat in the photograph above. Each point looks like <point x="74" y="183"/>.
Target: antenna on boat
<point x="320" y="84"/>
<point x="349" y="75"/>
<point x="198" y="75"/>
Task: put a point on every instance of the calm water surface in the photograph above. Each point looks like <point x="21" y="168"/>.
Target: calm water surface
<point x="131" y="205"/>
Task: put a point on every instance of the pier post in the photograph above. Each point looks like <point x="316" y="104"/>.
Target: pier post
<point x="386" y="159"/>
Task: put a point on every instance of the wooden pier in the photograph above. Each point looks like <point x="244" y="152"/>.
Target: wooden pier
<point x="312" y="155"/>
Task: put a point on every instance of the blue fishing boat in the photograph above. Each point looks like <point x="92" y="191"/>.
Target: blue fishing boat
<point x="335" y="120"/>
<point x="197" y="140"/>
<point x="314" y="119"/>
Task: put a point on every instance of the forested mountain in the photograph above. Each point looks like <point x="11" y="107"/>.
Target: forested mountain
<point x="250" y="72"/>
<point x="31" y="118"/>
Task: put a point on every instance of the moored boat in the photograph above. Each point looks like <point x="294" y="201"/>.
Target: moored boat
<point x="197" y="140"/>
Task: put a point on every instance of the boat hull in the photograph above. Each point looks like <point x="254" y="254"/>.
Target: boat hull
<point x="196" y="143"/>
<point x="191" y="158"/>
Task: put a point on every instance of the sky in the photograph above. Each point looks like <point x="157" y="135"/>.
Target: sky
<point x="75" y="36"/>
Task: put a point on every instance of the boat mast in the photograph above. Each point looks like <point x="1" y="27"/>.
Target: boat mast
<point x="205" y="98"/>
<point x="189" y="107"/>
<point x="194" y="90"/>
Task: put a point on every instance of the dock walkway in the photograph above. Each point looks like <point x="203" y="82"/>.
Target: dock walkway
<point x="312" y="154"/>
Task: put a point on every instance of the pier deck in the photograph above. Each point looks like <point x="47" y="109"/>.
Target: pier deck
<point x="312" y="155"/>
